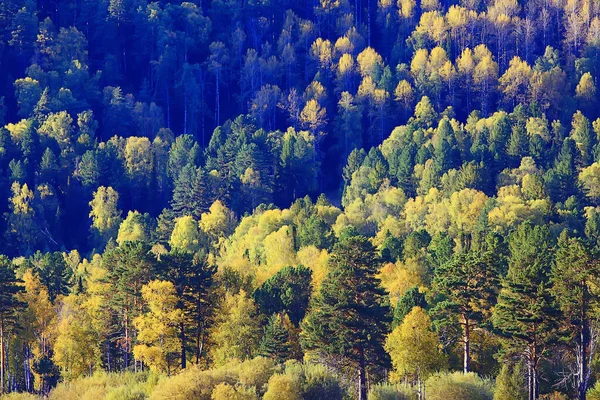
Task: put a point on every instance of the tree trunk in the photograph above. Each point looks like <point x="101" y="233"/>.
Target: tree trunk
<point x="584" y="340"/>
<point x="217" y="101"/>
<point x="182" y="339"/>
<point x="2" y="356"/>
<point x="362" y="382"/>
<point x="126" y="356"/>
<point x="467" y="349"/>
<point x="529" y="384"/>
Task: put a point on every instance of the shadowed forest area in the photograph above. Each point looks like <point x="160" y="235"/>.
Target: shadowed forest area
<point x="312" y="199"/>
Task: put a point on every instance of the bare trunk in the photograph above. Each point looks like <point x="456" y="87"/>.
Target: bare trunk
<point x="467" y="343"/>
<point x="584" y="340"/>
<point x="2" y="356"/>
<point x="217" y="105"/>
<point x="362" y="382"/>
<point x="182" y="339"/>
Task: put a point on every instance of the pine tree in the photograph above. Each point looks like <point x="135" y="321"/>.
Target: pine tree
<point x="193" y="278"/>
<point x="469" y="284"/>
<point x="575" y="282"/>
<point x="525" y="314"/>
<point x="9" y="307"/>
<point x="287" y="291"/>
<point x="410" y="299"/>
<point x="275" y="341"/>
<point x="349" y="316"/>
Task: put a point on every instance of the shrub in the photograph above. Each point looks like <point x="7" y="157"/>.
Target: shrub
<point x="321" y="383"/>
<point x="387" y="391"/>
<point x="284" y="386"/>
<point x="102" y="385"/>
<point x="194" y="383"/>
<point x="456" y="385"/>
<point x="19" y="396"/>
<point x="223" y="391"/>
<point x="510" y="383"/>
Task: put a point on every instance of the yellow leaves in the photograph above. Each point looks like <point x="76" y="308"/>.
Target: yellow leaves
<point x="284" y="386"/>
<point x="515" y="80"/>
<point x="344" y="45"/>
<point x="418" y="64"/>
<point x="370" y="63"/>
<point x="586" y="89"/>
<point x="224" y="391"/>
<point x="503" y="9"/>
<point x="464" y="208"/>
<point x="132" y="229"/>
<point x="590" y="179"/>
<point x="22" y="199"/>
<point x="513" y="209"/>
<point x="77" y="347"/>
<point x="58" y="126"/>
<point x="157" y="328"/>
<point x="218" y="222"/>
<point x="39" y="320"/>
<point x="18" y="130"/>
<point x="457" y="16"/>
<point x="414" y="347"/>
<point x="466" y="62"/>
<point x="406" y="8"/>
<point x="236" y="333"/>
<point x="186" y="235"/>
<point x="404" y="93"/>
<point x="104" y="213"/>
<point x="397" y="278"/>
<point x="433" y="25"/>
<point x="313" y="116"/>
<point x="322" y="51"/>
<point x="366" y="89"/>
<point x="317" y="260"/>
<point x="138" y="156"/>
<point x="279" y="250"/>
<point x="345" y="65"/>
<point x="437" y="59"/>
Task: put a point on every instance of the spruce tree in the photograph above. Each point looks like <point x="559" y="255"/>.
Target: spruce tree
<point x="350" y="317"/>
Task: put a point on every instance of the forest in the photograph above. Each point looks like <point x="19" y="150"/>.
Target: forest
<point x="309" y="199"/>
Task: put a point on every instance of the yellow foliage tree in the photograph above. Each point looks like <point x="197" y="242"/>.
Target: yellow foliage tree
<point x="186" y="235"/>
<point x="590" y="179"/>
<point x="284" y="386"/>
<point x="414" y="349"/>
<point x="157" y="328"/>
<point x="237" y="331"/>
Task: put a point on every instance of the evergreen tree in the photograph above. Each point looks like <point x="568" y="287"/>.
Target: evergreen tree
<point x="288" y="291"/>
<point x="349" y="317"/>
<point x="410" y="299"/>
<point x="275" y="341"/>
<point x="9" y="307"/>
<point x="525" y="314"/>
<point x="575" y="281"/>
<point x="469" y="284"/>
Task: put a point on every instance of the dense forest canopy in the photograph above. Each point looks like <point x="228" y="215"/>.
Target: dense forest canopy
<point x="243" y="199"/>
